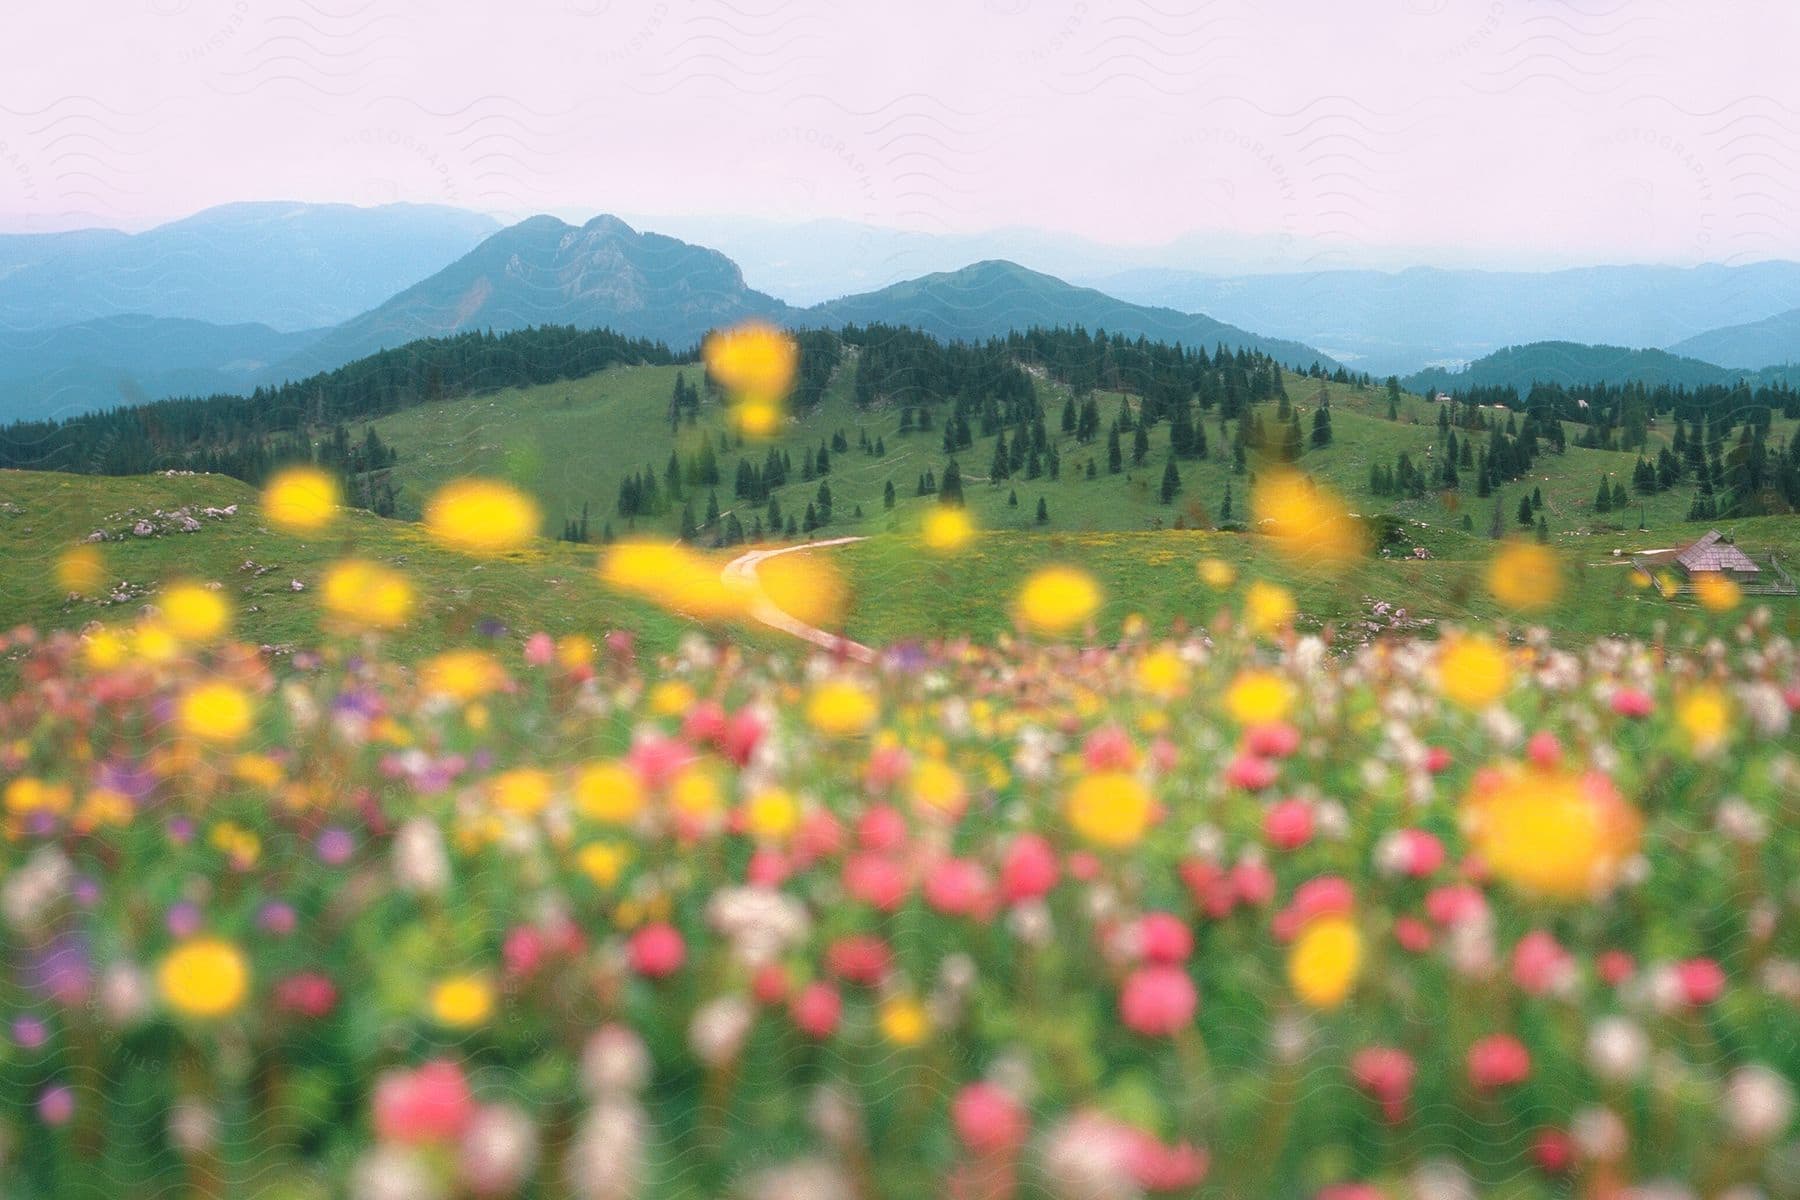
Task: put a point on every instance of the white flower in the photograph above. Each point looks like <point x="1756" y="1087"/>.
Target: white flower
<point x="614" y="1062"/>
<point x="719" y="1028"/>
<point x="29" y="892"/>
<point x="807" y="1179"/>
<point x="125" y="995"/>
<point x="421" y="864"/>
<point x="1617" y="1049"/>
<point x="193" y="1126"/>
<point x="1758" y="1103"/>
<point x="1599" y="1133"/>
<point x="1087" y="1157"/>
<point x="762" y="924"/>
<point x="390" y="1172"/>
<point x="606" y="1158"/>
<point x="499" y="1150"/>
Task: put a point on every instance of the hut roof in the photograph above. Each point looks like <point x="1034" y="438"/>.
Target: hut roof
<point x="1711" y="553"/>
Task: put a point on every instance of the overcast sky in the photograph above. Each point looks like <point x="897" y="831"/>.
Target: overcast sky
<point x="1508" y="131"/>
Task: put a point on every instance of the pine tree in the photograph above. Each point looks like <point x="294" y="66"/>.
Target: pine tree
<point x="1543" y="530"/>
<point x="1225" y="507"/>
<point x="1140" y="445"/>
<point x="1494" y="526"/>
<point x="1043" y="512"/>
<point x="950" y="490"/>
<point x="1321" y="426"/>
<point x="1525" y="517"/>
<point x="1171" y="481"/>
<point x="1115" y="455"/>
<point x="887" y="495"/>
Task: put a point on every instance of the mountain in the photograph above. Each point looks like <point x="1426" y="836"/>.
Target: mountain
<point x="545" y="272"/>
<point x="289" y="266"/>
<point x="1571" y="363"/>
<point x="987" y="299"/>
<point x="131" y="359"/>
<point x="1773" y="341"/>
<point x="1397" y="322"/>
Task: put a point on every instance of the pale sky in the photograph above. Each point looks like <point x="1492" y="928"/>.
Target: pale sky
<point x="1524" y="131"/>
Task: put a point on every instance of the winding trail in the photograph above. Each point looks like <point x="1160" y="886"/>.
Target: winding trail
<point x="743" y="569"/>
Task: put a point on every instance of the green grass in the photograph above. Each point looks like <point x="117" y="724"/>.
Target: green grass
<point x="549" y="586"/>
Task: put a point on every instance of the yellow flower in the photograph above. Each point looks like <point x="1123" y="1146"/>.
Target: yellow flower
<point x="236" y="843"/>
<point x="1705" y="715"/>
<point x="1324" y="960"/>
<point x="29" y="794"/>
<point x="1525" y="576"/>
<point x="772" y="813"/>
<point x="756" y="418"/>
<point x="194" y="613"/>
<point x="1551" y="832"/>
<point x="937" y="786"/>
<point x="904" y="1021"/>
<point x="806" y="586"/>
<point x="603" y="862"/>
<point x="1307" y="522"/>
<point x="216" y="712"/>
<point x="608" y="792"/>
<point x="1216" y="573"/>
<point x="947" y="527"/>
<point x="301" y="499"/>
<point x="155" y="642"/>
<point x="482" y="516"/>
<point x="461" y="674"/>
<point x="1715" y="592"/>
<point x="754" y="361"/>
<point x="102" y="807"/>
<point x="523" y="791"/>
<point x="462" y="1002"/>
<point x="204" y="977"/>
<point x="1257" y="697"/>
<point x="1057" y="599"/>
<point x="1472" y="671"/>
<point x="257" y="769"/>
<point x="367" y="595"/>
<point x="1162" y="673"/>
<point x="574" y="651"/>
<point x="696" y="793"/>
<point x="671" y="698"/>
<point x="675" y="577"/>
<point x="1110" y="808"/>
<point x="842" y="708"/>
<point x="1268" y="607"/>
<point x="104" y="649"/>
<point x="81" y="570"/>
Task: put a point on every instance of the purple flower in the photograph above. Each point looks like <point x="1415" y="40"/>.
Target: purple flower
<point x="29" y="1032"/>
<point x="335" y="846"/>
<point x="183" y="919"/>
<point x="180" y="830"/>
<point x="277" y="917"/>
<point x="56" y="1105"/>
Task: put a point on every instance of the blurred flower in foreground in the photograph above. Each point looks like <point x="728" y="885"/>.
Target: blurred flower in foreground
<point x="1110" y="808"/>
<point x="194" y="612"/>
<point x="675" y="577"/>
<point x="1057" y="599"/>
<point x="366" y="595"/>
<point x="1550" y="831"/>
<point x="482" y="515"/>
<point x="1307" y="522"/>
<point x="1324" y="961"/>
<point x="1715" y="592"/>
<point x="1216" y="573"/>
<point x="947" y="527"/>
<point x="81" y="570"/>
<point x="806" y="586"/>
<point x="216" y="712"/>
<point x="1472" y="670"/>
<point x="1705" y="715"/>
<point x="842" y="708"/>
<point x="755" y="364"/>
<point x="462" y="1002"/>
<point x="205" y="977"/>
<point x="1525" y="576"/>
<point x="301" y="499"/>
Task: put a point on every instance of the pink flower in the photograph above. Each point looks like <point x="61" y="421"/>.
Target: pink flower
<point x="1701" y="981"/>
<point x="657" y="951"/>
<point x="1540" y="965"/>
<point x="881" y="828"/>
<point x="1386" y="1074"/>
<point x="1157" y="1001"/>
<point x="958" y="887"/>
<point x="1109" y="748"/>
<point x="1455" y="903"/>
<point x="1415" y="853"/>
<point x="859" y="958"/>
<point x="767" y="868"/>
<point x="658" y="759"/>
<point x="1164" y="938"/>
<point x="1437" y="760"/>
<point x="540" y="649"/>
<point x="816" y="1010"/>
<point x="430" y="1104"/>
<point x="1288" y="824"/>
<point x="876" y="880"/>
<point x="1349" y="1191"/>
<point x="1553" y="1151"/>
<point x="1254" y="882"/>
<point x="1629" y="702"/>
<point x="888" y="765"/>
<point x="1615" y="967"/>
<point x="742" y="734"/>
<point x="1211" y="887"/>
<point x="1157" y="1167"/>
<point x="306" y="994"/>
<point x="523" y="951"/>
<point x="1028" y="870"/>
<point x="820" y="835"/>
<point x="704" y="723"/>
<point x="1413" y="934"/>
<point x="1543" y="749"/>
<point x="1497" y="1061"/>
<point x="769" y="984"/>
<point x="1276" y="739"/>
<point x="1251" y="772"/>
<point x="988" y="1119"/>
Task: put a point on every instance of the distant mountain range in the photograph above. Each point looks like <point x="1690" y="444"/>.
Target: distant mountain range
<point x="1571" y="363"/>
<point x="256" y="293"/>
<point x="288" y="266"/>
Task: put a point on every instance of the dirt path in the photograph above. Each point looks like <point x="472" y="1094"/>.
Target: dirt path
<point x="743" y="569"/>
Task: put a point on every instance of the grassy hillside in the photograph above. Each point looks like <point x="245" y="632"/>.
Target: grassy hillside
<point x="42" y="514"/>
<point x="575" y="441"/>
